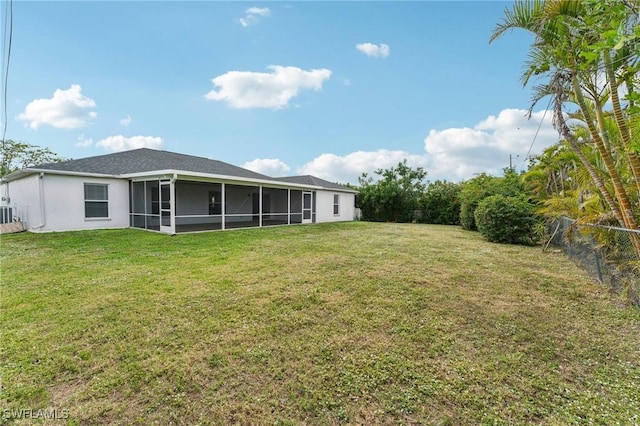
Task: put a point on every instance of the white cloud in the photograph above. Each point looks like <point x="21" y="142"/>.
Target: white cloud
<point x="248" y="20"/>
<point x="67" y="109"/>
<point x="374" y="50"/>
<point x="460" y="152"/>
<point x="245" y="89"/>
<point x="262" y="11"/>
<point x="122" y="143"/>
<point x="347" y="169"/>
<point x="268" y="166"/>
<point x="84" y="142"/>
<point x="454" y="154"/>
<point x="252" y="14"/>
<point x="126" y="121"/>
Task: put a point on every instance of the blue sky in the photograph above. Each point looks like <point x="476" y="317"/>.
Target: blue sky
<point x="331" y="89"/>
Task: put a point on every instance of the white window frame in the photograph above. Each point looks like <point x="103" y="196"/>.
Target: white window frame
<point x="88" y="200"/>
<point x="336" y="204"/>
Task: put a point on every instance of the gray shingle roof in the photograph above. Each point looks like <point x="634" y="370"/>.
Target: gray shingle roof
<point x="312" y="180"/>
<point x="149" y="160"/>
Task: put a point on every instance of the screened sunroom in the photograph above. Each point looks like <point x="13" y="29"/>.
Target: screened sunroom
<point x="178" y="206"/>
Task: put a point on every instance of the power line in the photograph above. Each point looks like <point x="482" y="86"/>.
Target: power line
<point x="6" y="51"/>
<point x="537" y="131"/>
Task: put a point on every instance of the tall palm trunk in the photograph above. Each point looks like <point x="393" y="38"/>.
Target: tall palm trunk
<point x="621" y="122"/>
<point x="619" y="190"/>
<point x="563" y="129"/>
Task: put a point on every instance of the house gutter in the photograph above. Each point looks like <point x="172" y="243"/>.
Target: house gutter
<point x="217" y="178"/>
<point x="30" y="171"/>
<point x="43" y="216"/>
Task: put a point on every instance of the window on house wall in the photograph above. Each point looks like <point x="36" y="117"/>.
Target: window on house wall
<point x="96" y="200"/>
<point x="336" y="204"/>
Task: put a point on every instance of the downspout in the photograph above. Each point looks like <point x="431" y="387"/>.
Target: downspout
<point x="6" y="198"/>
<point x="43" y="216"/>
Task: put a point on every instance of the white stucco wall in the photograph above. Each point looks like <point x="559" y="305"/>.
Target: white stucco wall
<point x="23" y="194"/>
<point x="324" y="206"/>
<point x="64" y="202"/>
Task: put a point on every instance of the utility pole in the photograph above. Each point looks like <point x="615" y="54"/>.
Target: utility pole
<point x="511" y="160"/>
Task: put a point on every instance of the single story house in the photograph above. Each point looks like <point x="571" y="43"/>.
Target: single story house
<point x="166" y="192"/>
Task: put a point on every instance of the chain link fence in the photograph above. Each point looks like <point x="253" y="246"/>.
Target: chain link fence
<point x="607" y="253"/>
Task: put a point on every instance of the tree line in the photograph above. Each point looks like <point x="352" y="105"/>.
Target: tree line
<point x="499" y="207"/>
<point x="16" y="155"/>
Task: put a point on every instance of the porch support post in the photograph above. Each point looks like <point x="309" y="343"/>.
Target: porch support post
<point x="288" y="206"/>
<point x="224" y="204"/>
<point x="172" y="188"/>
<point x="260" y="206"/>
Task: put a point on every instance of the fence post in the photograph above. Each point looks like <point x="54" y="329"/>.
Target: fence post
<point x="598" y="269"/>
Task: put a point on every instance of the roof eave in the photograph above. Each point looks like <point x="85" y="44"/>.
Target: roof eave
<point x="170" y="172"/>
<point x="34" y="170"/>
<point x="327" y="188"/>
<point x="217" y="177"/>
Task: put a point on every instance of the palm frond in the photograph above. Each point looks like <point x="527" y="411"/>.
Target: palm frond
<point x="525" y="15"/>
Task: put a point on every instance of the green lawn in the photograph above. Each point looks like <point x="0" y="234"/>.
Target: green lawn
<point x="353" y="323"/>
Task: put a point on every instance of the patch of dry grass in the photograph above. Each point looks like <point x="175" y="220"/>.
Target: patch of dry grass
<point x="358" y="323"/>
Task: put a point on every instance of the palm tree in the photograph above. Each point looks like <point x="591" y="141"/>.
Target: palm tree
<point x="549" y="174"/>
<point x="577" y="48"/>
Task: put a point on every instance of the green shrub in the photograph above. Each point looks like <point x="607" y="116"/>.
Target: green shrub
<point x="510" y="220"/>
<point x="467" y="219"/>
<point x="440" y="203"/>
<point x="482" y="186"/>
<point x="393" y="196"/>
